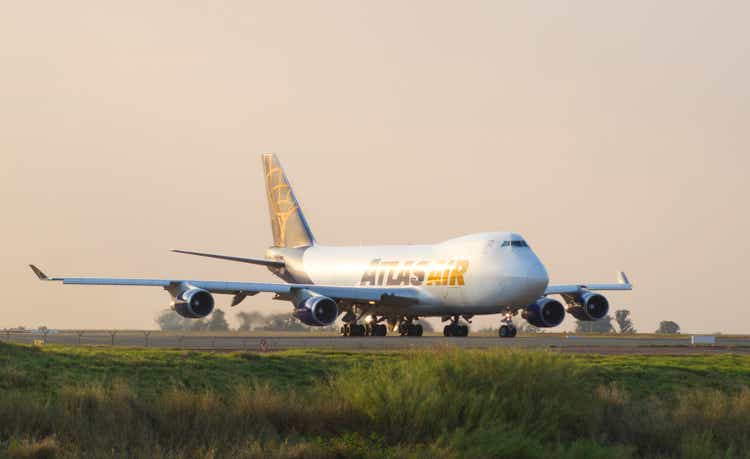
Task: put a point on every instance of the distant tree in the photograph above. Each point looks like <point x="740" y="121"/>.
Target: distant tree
<point x="218" y="321"/>
<point x="282" y="322"/>
<point x="250" y="320"/>
<point x="667" y="327"/>
<point x="624" y="323"/>
<point x="603" y="325"/>
<point x="170" y="320"/>
<point x="197" y="325"/>
<point x="524" y="327"/>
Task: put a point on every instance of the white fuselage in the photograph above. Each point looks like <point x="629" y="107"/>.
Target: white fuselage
<point x="476" y="274"/>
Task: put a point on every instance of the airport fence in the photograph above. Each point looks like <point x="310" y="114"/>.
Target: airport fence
<point x="263" y="341"/>
<point x="143" y="339"/>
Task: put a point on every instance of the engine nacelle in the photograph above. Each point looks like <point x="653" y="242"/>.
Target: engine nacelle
<point x="313" y="309"/>
<point x="194" y="303"/>
<point x="587" y="306"/>
<point x="544" y="313"/>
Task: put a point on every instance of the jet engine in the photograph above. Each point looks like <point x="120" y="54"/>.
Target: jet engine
<point x="194" y="303"/>
<point x="587" y="306"/>
<point x="313" y="309"/>
<point x="544" y="313"/>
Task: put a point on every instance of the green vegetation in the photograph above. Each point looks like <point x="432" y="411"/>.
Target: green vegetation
<point x="94" y="402"/>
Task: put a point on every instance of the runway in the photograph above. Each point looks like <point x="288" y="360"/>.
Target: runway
<point x="264" y="342"/>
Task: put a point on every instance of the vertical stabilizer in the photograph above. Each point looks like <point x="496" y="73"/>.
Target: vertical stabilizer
<point x="288" y="224"/>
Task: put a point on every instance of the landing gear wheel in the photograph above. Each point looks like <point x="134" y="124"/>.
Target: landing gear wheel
<point x="377" y="330"/>
<point x="507" y="331"/>
<point x="353" y="330"/>
<point x="410" y="329"/>
<point x="456" y="330"/>
<point x="508" y="328"/>
<point x="415" y="330"/>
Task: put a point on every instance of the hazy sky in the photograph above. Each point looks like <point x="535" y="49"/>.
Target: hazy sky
<point x="612" y="135"/>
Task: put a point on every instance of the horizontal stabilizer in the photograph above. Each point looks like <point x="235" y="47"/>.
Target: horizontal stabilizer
<point x="252" y="261"/>
<point x="39" y="273"/>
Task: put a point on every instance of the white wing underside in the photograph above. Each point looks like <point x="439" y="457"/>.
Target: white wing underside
<point x="381" y="295"/>
<point x="622" y="284"/>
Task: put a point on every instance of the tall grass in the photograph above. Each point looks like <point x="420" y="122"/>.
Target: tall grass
<point x="441" y="403"/>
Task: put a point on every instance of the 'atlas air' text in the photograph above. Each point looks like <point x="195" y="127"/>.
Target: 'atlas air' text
<point x="415" y="273"/>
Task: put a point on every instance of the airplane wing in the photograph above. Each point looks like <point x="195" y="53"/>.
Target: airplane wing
<point x="252" y="261"/>
<point x="385" y="296"/>
<point x="623" y="283"/>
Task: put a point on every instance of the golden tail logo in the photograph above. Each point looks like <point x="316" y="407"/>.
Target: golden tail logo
<point x="288" y="224"/>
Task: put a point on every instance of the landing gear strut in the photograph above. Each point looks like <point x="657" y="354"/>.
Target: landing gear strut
<point x="507" y="329"/>
<point x="454" y="329"/>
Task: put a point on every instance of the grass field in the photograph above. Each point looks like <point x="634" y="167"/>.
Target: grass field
<point x="101" y="402"/>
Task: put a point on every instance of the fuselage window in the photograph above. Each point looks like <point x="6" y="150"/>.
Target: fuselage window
<point x="514" y="244"/>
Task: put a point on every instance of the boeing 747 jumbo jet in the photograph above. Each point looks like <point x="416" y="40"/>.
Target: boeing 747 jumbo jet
<point x="382" y="288"/>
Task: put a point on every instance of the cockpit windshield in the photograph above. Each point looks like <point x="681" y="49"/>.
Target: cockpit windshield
<point x="514" y="244"/>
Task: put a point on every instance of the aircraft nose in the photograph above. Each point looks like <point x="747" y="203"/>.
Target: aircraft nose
<point x="528" y="276"/>
<point x="537" y="278"/>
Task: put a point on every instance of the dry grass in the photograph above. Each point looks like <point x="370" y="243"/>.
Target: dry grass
<point x="439" y="403"/>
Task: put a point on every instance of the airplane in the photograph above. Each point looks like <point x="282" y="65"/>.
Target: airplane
<point x="377" y="289"/>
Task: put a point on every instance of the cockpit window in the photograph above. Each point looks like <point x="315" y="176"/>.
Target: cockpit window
<point x="514" y="244"/>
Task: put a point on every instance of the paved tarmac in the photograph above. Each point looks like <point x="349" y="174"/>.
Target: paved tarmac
<point x="646" y="344"/>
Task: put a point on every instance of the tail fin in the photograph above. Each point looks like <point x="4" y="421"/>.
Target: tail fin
<point x="288" y="224"/>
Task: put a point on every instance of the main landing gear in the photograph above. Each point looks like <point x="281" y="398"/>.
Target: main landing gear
<point x="355" y="329"/>
<point x="507" y="329"/>
<point x="371" y="327"/>
<point x="407" y="328"/>
<point x="455" y="329"/>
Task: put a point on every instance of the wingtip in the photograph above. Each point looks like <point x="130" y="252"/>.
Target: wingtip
<point x="39" y="273"/>
<point x="623" y="278"/>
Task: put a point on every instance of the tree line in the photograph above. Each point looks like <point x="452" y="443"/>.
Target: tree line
<point x="621" y="323"/>
<point x="256" y="321"/>
<point x="217" y="321"/>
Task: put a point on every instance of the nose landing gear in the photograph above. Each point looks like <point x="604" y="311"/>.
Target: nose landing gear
<point x="507" y="329"/>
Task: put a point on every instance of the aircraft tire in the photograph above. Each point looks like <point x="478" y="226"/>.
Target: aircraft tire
<point x="357" y="330"/>
<point x="414" y="330"/>
<point x="448" y="331"/>
<point x="504" y="331"/>
<point x="513" y="332"/>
